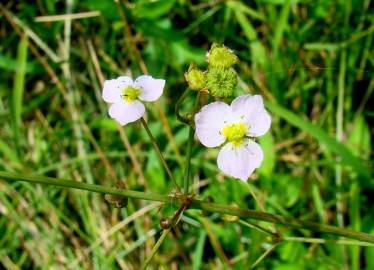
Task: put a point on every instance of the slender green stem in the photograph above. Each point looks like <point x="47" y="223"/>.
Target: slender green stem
<point x="183" y="118"/>
<point x="155" y="248"/>
<point x="256" y="226"/>
<point x="263" y="256"/>
<point x="189" y="145"/>
<point x="278" y="219"/>
<point x="196" y="203"/>
<point x="327" y="241"/>
<point x="158" y="151"/>
<point x="186" y="179"/>
<point x="339" y="137"/>
<point x="84" y="186"/>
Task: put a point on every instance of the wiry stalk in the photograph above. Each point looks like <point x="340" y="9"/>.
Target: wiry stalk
<point x="159" y="153"/>
<point x="196" y="203"/>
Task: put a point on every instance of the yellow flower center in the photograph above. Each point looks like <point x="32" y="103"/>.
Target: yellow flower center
<point x="235" y="133"/>
<point x="130" y="93"/>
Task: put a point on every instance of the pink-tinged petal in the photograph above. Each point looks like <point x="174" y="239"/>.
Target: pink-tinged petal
<point x="151" y="89"/>
<point x="252" y="109"/>
<point x="245" y="105"/>
<point x="210" y="121"/>
<point x="124" y="81"/>
<point x="240" y="162"/>
<point x="126" y="112"/>
<point x="113" y="88"/>
<point x="111" y="92"/>
<point x="259" y="123"/>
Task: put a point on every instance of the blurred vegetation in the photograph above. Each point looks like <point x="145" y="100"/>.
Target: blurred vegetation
<point x="313" y="61"/>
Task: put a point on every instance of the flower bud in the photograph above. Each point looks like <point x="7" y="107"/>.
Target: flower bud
<point x="220" y="56"/>
<point x="195" y="77"/>
<point x="221" y="82"/>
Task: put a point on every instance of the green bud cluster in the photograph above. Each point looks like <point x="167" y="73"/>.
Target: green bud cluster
<point x="195" y="77"/>
<point x="220" y="80"/>
<point x="220" y="56"/>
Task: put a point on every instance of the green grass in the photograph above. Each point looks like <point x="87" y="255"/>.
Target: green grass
<point x="311" y="60"/>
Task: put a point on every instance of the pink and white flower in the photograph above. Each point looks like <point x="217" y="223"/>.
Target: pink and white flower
<point x="234" y="127"/>
<point x="125" y="96"/>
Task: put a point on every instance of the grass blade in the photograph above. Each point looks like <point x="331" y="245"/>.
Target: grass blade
<point x="282" y="25"/>
<point x="197" y="256"/>
<point x="258" y="51"/>
<point x="347" y="157"/>
<point x="155" y="248"/>
<point x="19" y="82"/>
<point x="18" y="88"/>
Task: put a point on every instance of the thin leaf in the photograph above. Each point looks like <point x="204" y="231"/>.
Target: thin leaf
<point x="347" y="157"/>
<point x="19" y="81"/>
<point x="18" y="88"/>
<point x="258" y="52"/>
<point x="197" y="255"/>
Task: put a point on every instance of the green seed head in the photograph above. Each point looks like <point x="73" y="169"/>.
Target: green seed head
<point x="195" y="77"/>
<point x="220" y="56"/>
<point x="221" y="82"/>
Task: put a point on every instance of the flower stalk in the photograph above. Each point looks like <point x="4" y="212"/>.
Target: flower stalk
<point x="159" y="153"/>
<point x="183" y="118"/>
<point x="191" y="133"/>
<point x="196" y="204"/>
<point x="186" y="179"/>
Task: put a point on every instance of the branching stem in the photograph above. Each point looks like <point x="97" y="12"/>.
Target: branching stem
<point x="197" y="204"/>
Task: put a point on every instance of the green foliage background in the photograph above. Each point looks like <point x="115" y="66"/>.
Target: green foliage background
<point x="313" y="61"/>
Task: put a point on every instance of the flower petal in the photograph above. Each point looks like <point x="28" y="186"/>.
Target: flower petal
<point x="210" y="121"/>
<point x="246" y="104"/>
<point x="259" y="123"/>
<point x="240" y="162"/>
<point x="113" y="88"/>
<point x="253" y="111"/>
<point x="126" y="112"/>
<point x="151" y="88"/>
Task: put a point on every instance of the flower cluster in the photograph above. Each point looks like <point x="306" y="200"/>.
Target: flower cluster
<point x="219" y="79"/>
<point x="232" y="127"/>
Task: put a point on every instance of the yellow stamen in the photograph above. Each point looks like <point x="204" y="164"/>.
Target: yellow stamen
<point x="130" y="93"/>
<point x="235" y="133"/>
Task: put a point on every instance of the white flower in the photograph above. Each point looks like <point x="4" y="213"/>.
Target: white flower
<point x="126" y="96"/>
<point x="235" y="126"/>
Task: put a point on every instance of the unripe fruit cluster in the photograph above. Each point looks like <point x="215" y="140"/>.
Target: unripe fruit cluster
<point x="219" y="79"/>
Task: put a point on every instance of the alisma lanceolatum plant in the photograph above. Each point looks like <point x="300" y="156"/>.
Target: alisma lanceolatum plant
<point x="222" y="120"/>
<point x="233" y="127"/>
